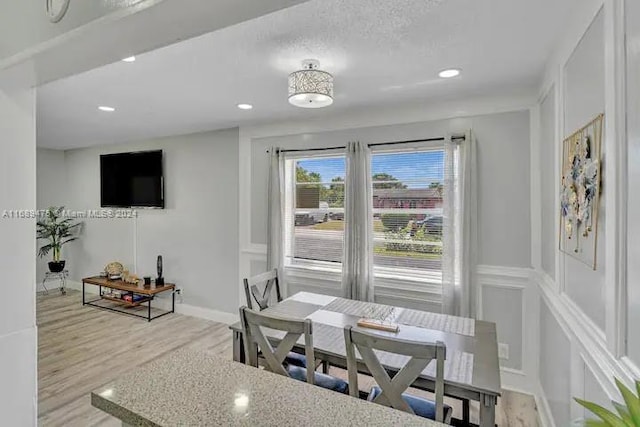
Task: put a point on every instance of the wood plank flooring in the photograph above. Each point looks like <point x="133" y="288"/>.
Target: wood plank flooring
<point x="82" y="348"/>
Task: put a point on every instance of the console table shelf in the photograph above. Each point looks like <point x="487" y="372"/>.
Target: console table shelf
<point x="148" y="292"/>
<point x="125" y="302"/>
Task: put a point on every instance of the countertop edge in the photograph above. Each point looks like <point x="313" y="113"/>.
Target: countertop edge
<point x="119" y="412"/>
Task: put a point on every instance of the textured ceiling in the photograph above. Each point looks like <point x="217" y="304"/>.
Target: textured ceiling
<point x="381" y="52"/>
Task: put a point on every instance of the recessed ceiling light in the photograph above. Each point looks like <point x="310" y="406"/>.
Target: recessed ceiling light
<point x="448" y="73"/>
<point x="245" y="106"/>
<point x="129" y="59"/>
<point x="106" y="109"/>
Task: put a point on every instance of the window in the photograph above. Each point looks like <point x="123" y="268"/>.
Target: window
<point x="315" y="210"/>
<point x="407" y="210"/>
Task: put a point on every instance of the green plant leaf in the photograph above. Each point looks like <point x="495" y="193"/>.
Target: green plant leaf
<point x="631" y="400"/>
<point x="595" y="423"/>
<point x="624" y="413"/>
<point x="607" y="416"/>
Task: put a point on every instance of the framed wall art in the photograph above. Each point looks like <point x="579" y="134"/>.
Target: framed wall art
<point x="580" y="192"/>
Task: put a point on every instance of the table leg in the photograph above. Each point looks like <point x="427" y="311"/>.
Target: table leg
<point x="46" y="291"/>
<point x="149" y="312"/>
<point x="63" y="289"/>
<point x="173" y="301"/>
<point x="487" y="410"/>
<point x="83" y="301"/>
<point x="465" y="412"/>
<point x="238" y="347"/>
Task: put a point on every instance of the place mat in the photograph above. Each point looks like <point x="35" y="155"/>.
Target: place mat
<point x="422" y="319"/>
<point x="369" y="310"/>
<point x="292" y="309"/>
<point x="438" y="322"/>
<point x="310" y="298"/>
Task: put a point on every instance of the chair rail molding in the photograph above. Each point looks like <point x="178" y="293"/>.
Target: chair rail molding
<point x="586" y="338"/>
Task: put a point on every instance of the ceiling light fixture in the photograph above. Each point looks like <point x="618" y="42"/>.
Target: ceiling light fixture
<point x="106" y="109"/>
<point x="310" y="87"/>
<point x="449" y="73"/>
<point x="245" y="106"/>
<point x="129" y="59"/>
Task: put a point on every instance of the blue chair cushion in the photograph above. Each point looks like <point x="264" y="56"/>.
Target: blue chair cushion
<point x="322" y="380"/>
<point x="296" y="359"/>
<point x="422" y="407"/>
<point x="293" y="358"/>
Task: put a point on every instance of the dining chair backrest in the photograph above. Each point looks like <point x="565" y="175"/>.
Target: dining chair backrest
<point x="260" y="288"/>
<point x="420" y="355"/>
<point x="254" y="339"/>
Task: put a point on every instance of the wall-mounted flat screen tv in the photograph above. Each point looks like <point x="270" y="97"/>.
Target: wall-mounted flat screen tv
<point x="132" y="180"/>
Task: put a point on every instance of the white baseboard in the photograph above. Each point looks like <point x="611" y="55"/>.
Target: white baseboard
<point x="165" y="304"/>
<point x="208" y="314"/>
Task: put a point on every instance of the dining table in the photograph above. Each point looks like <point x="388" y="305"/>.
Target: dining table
<point x="472" y="370"/>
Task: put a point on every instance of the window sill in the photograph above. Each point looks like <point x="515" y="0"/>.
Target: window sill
<point x="388" y="281"/>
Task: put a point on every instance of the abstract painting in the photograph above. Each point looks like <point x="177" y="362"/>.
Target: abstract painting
<point x="580" y="192"/>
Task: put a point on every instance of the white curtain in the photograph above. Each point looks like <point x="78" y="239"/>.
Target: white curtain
<point x="459" y="227"/>
<point x="357" y="263"/>
<point x="275" y="215"/>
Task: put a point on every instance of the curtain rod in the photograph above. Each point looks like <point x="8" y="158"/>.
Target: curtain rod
<point x="375" y="144"/>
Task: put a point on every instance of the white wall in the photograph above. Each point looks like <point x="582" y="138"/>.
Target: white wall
<point x="583" y="100"/>
<point x="582" y="312"/>
<point x="548" y="184"/>
<point x="633" y="232"/>
<point x="17" y="308"/>
<point x="196" y="233"/>
<point x="503" y="151"/>
<point x="50" y="191"/>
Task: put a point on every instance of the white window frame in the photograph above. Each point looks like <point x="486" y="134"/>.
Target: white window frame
<point x="393" y="277"/>
<point x="387" y="278"/>
<point x="291" y="262"/>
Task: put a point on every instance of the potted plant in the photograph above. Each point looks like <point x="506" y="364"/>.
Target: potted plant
<point x="628" y="413"/>
<point x="58" y="231"/>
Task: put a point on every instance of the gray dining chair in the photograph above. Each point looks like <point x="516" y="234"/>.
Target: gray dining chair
<point x="269" y="282"/>
<point x="276" y="358"/>
<point x="391" y="391"/>
<point x="260" y="291"/>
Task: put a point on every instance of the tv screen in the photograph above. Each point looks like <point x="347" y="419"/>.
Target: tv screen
<point x="129" y="180"/>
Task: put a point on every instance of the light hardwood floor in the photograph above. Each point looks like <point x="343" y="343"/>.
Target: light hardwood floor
<point x="82" y="348"/>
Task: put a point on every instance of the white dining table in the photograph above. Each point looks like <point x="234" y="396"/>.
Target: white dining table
<point x="472" y="370"/>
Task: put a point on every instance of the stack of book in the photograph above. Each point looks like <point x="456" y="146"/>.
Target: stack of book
<point x="113" y="293"/>
<point x="133" y="298"/>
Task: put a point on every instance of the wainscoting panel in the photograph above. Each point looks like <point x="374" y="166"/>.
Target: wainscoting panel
<point x="503" y="305"/>
<point x="257" y="266"/>
<point x="555" y="366"/>
<point x="507" y="296"/>
<point x="574" y="360"/>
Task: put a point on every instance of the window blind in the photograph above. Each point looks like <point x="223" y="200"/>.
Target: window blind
<point x="315" y="214"/>
<point x="408" y="186"/>
<point x="407" y="209"/>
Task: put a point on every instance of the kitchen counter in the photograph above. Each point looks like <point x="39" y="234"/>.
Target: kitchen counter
<point x="199" y="389"/>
